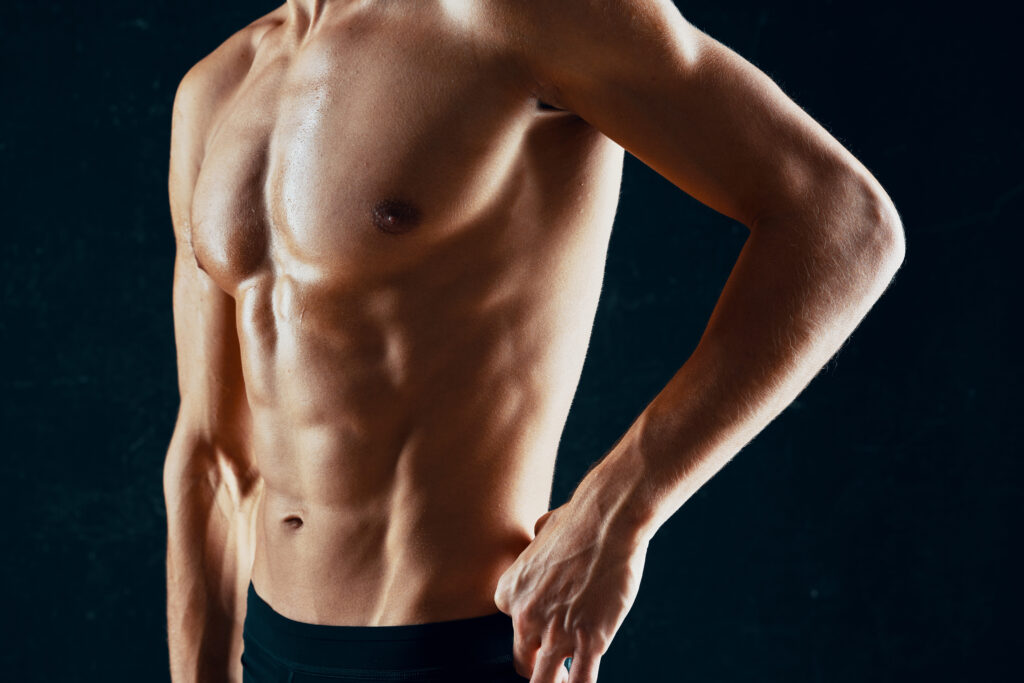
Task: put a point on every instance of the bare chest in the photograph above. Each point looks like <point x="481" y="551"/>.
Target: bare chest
<point x="353" y="157"/>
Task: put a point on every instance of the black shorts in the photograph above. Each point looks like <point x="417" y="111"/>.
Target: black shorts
<point x="279" y="649"/>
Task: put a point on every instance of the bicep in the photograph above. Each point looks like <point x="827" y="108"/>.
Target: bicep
<point x="210" y="381"/>
<point x="686" y="105"/>
<point x="213" y="414"/>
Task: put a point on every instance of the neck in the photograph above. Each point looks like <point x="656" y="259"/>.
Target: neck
<point x="311" y="11"/>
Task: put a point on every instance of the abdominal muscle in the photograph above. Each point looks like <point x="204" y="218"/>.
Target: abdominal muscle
<point x="398" y="485"/>
<point x="371" y="568"/>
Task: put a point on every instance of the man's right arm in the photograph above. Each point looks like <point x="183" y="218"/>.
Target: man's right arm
<point x="211" y="486"/>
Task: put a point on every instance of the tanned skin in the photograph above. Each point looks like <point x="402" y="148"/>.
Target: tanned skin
<point x="391" y="220"/>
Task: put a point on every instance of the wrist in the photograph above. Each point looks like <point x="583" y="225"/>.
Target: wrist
<point x="617" y="491"/>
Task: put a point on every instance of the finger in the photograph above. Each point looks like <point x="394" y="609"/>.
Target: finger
<point x="549" y="667"/>
<point x="584" y="667"/>
<point x="524" y="649"/>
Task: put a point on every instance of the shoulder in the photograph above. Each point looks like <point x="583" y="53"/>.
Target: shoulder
<point x="216" y="74"/>
<point x="197" y="99"/>
<point x="571" y="42"/>
<point x="624" y="15"/>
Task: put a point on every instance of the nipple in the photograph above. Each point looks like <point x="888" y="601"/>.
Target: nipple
<point x="395" y="216"/>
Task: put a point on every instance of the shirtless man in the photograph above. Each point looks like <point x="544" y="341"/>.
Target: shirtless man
<point x="391" y="220"/>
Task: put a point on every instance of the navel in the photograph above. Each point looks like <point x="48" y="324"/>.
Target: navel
<point x="396" y="216"/>
<point x="293" y="522"/>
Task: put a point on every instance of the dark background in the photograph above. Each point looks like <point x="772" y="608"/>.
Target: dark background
<point x="869" y="533"/>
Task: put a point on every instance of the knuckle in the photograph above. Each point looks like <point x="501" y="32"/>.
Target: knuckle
<point x="591" y="638"/>
<point x="552" y="648"/>
<point x="521" y="623"/>
<point x="521" y="668"/>
<point x="530" y="614"/>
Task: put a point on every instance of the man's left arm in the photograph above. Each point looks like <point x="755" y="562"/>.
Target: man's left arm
<point x="825" y="242"/>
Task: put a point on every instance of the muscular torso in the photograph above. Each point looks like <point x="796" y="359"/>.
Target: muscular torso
<point x="415" y="248"/>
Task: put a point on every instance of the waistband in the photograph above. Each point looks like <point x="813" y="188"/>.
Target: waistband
<point x="473" y="642"/>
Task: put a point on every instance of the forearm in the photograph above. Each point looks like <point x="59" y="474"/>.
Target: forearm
<point x="209" y="551"/>
<point x="796" y="293"/>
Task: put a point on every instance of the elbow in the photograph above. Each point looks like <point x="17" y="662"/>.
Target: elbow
<point x="871" y="235"/>
<point x="199" y="465"/>
<point x="888" y="239"/>
<point x="189" y="460"/>
<point x="899" y="247"/>
<point x="223" y="460"/>
<point x="872" y="232"/>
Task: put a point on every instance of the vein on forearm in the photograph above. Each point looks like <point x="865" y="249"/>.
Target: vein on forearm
<point x="799" y="288"/>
